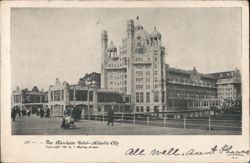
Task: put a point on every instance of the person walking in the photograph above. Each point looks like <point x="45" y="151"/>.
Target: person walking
<point x="111" y="116"/>
<point x="28" y="112"/>
<point x="13" y="114"/>
<point x="42" y="113"/>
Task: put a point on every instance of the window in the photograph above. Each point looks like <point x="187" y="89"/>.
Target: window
<point x="156" y="72"/>
<point x="156" y="59"/>
<point x="99" y="108"/>
<point x="147" y="80"/>
<point x="147" y="86"/>
<point x="156" y="79"/>
<point x="163" y="97"/>
<point x="139" y="86"/>
<point x="90" y="95"/>
<point x="147" y="72"/>
<point x="147" y="97"/>
<point x="71" y="95"/>
<point x="81" y="95"/>
<point x="139" y="73"/>
<point x="139" y="79"/>
<point x="137" y="109"/>
<point x="156" y="96"/>
<point x="52" y="95"/>
<point x="137" y="97"/>
<point x="156" y="86"/>
<point x="148" y="108"/>
<point x="62" y="95"/>
<point x="57" y="95"/>
<point x="141" y="97"/>
<point x="142" y="109"/>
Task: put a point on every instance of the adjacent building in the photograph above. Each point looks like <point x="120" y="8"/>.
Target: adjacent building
<point x="33" y="99"/>
<point x="190" y="89"/>
<point x="88" y="98"/>
<point x="193" y="90"/>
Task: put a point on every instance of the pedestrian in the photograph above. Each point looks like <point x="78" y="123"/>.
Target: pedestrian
<point x="111" y="116"/>
<point x="24" y="112"/>
<point x="38" y="111"/>
<point x="28" y="112"/>
<point x="47" y="112"/>
<point x="18" y="111"/>
<point x="13" y="114"/>
<point x="42" y="113"/>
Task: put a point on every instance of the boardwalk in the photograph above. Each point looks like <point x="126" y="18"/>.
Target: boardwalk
<point x="51" y="126"/>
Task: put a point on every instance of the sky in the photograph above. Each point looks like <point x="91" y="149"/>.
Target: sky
<point x="65" y="43"/>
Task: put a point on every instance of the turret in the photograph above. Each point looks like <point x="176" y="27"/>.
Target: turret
<point x="112" y="50"/>
<point x="104" y="44"/>
<point x="155" y="38"/>
<point x="104" y="39"/>
<point x="130" y="29"/>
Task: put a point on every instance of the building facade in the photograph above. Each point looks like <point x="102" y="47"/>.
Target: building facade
<point x="229" y="88"/>
<point x="137" y="68"/>
<point x="88" y="98"/>
<point x="33" y="99"/>
<point x="193" y="90"/>
<point x="190" y="90"/>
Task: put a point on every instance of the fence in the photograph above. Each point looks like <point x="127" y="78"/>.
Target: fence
<point x="211" y="122"/>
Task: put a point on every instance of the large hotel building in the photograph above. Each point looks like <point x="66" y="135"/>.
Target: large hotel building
<point x="135" y="78"/>
<point x="137" y="68"/>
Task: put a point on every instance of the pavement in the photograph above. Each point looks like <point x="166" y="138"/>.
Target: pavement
<point x="35" y="125"/>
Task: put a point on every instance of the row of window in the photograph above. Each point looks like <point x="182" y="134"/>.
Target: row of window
<point x="141" y="109"/>
<point x="118" y="77"/>
<point x="141" y="80"/>
<point x="118" y="83"/>
<point x="143" y="66"/>
<point x="117" y="64"/>
<point x="121" y="89"/>
<point x="141" y="86"/>
<point x="57" y="95"/>
<point x="188" y="81"/>
<point x="80" y="95"/>
<point x="17" y="98"/>
<point x="140" y="97"/>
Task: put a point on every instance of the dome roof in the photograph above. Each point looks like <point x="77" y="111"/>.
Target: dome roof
<point x="138" y="27"/>
<point x="111" y="46"/>
<point x="142" y="34"/>
<point x="155" y="33"/>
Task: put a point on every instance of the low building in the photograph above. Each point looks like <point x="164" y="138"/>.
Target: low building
<point x="87" y="98"/>
<point x="32" y="99"/>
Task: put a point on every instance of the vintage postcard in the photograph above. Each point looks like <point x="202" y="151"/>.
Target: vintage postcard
<point x="124" y="81"/>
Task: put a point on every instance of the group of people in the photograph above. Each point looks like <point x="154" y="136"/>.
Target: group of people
<point x="20" y="112"/>
<point x="27" y="111"/>
<point x="43" y="112"/>
<point x="71" y="115"/>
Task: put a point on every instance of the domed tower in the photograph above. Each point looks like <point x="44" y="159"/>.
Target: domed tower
<point x="112" y="50"/>
<point x="104" y="40"/>
<point x="155" y="38"/>
<point x="141" y="38"/>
